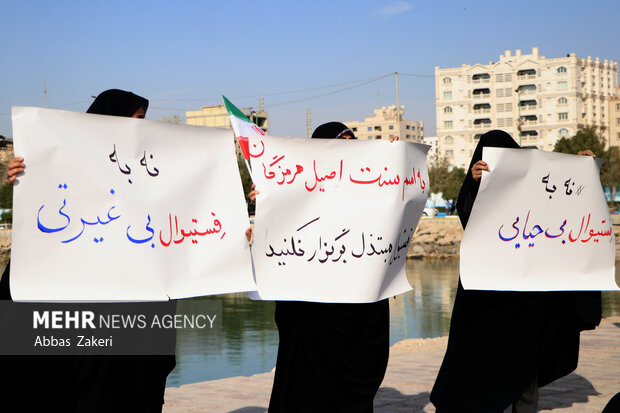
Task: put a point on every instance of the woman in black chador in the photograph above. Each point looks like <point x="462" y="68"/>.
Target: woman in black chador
<point x="504" y="345"/>
<point x="89" y="384"/>
<point x="331" y="357"/>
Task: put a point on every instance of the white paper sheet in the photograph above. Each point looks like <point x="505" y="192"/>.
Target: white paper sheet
<point x="540" y="223"/>
<point x="334" y="218"/>
<point x="114" y="208"/>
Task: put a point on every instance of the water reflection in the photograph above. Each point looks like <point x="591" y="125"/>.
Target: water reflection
<point x="249" y="339"/>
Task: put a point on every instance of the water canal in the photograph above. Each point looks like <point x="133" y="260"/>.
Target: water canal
<point x="248" y="342"/>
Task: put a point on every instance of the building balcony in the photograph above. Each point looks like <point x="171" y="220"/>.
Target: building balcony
<point x="482" y="125"/>
<point x="478" y="81"/>
<point x="526" y="77"/>
<point x="482" y="96"/>
<point x="528" y="109"/>
<point x="486" y="110"/>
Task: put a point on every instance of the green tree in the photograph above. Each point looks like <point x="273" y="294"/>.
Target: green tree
<point x="610" y="172"/>
<point x="445" y="180"/>
<point x="584" y="139"/>
<point x="7" y="216"/>
<point x="453" y="187"/>
<point x="6" y="196"/>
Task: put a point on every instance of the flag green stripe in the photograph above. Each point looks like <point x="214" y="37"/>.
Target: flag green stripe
<point x="233" y="110"/>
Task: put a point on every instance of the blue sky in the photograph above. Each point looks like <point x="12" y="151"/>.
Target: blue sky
<point x="185" y="54"/>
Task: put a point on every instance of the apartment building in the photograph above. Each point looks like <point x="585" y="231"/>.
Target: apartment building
<point x="535" y="99"/>
<point x="614" y="120"/>
<point x="384" y="124"/>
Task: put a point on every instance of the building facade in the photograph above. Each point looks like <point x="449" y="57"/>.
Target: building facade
<point x="217" y="116"/>
<point x="384" y="125"/>
<point x="614" y="120"/>
<point x="535" y="99"/>
<point x="433" y="151"/>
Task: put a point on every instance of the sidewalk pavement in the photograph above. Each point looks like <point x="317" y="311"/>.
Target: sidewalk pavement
<point x="410" y="376"/>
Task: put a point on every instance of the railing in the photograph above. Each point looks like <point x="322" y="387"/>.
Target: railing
<point x="478" y="81"/>
<point x="482" y="96"/>
<point x="482" y="110"/>
<point x="523" y="77"/>
<point x="482" y="125"/>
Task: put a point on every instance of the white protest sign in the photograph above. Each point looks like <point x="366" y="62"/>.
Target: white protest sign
<point x="116" y="208"/>
<point x="334" y="218"/>
<point x="540" y="223"/>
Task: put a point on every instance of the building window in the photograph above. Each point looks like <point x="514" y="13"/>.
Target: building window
<point x="449" y="153"/>
<point x="449" y="139"/>
<point x="407" y="127"/>
<point x="447" y="109"/>
<point x="354" y="129"/>
<point x="369" y="136"/>
<point x="370" y="129"/>
<point x="378" y="128"/>
<point x="617" y="121"/>
<point x="563" y="132"/>
<point x="562" y="116"/>
<point x="447" y="124"/>
<point x="408" y="136"/>
<point x="447" y="95"/>
<point x="563" y="85"/>
<point x="378" y="137"/>
<point x="391" y="127"/>
<point x="562" y="101"/>
<point x="617" y="106"/>
<point x="477" y="136"/>
<point x="447" y="80"/>
<point x="561" y="69"/>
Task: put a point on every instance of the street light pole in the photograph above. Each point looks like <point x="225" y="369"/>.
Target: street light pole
<point x="397" y="108"/>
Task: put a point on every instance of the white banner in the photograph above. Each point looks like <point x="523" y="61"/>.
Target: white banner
<point x="334" y="218"/>
<point x="116" y="208"/>
<point x="540" y="223"/>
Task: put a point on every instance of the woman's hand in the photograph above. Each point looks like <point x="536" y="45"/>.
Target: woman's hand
<point x="253" y="193"/>
<point x="477" y="169"/>
<point x="16" y="166"/>
<point x="394" y="138"/>
<point x="248" y="234"/>
<point x="587" y="152"/>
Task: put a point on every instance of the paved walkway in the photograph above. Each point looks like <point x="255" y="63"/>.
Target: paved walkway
<point x="410" y="375"/>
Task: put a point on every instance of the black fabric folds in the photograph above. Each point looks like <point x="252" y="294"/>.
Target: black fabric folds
<point x="331" y="357"/>
<point x="500" y="341"/>
<point x="116" y="102"/>
<point x="331" y="130"/>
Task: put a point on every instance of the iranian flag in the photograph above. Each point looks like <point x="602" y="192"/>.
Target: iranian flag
<point x="243" y="128"/>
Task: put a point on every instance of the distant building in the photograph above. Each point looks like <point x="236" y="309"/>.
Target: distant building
<point x="535" y="99"/>
<point x="217" y="116"/>
<point x="614" y="120"/>
<point x="432" y="152"/>
<point x="384" y="125"/>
